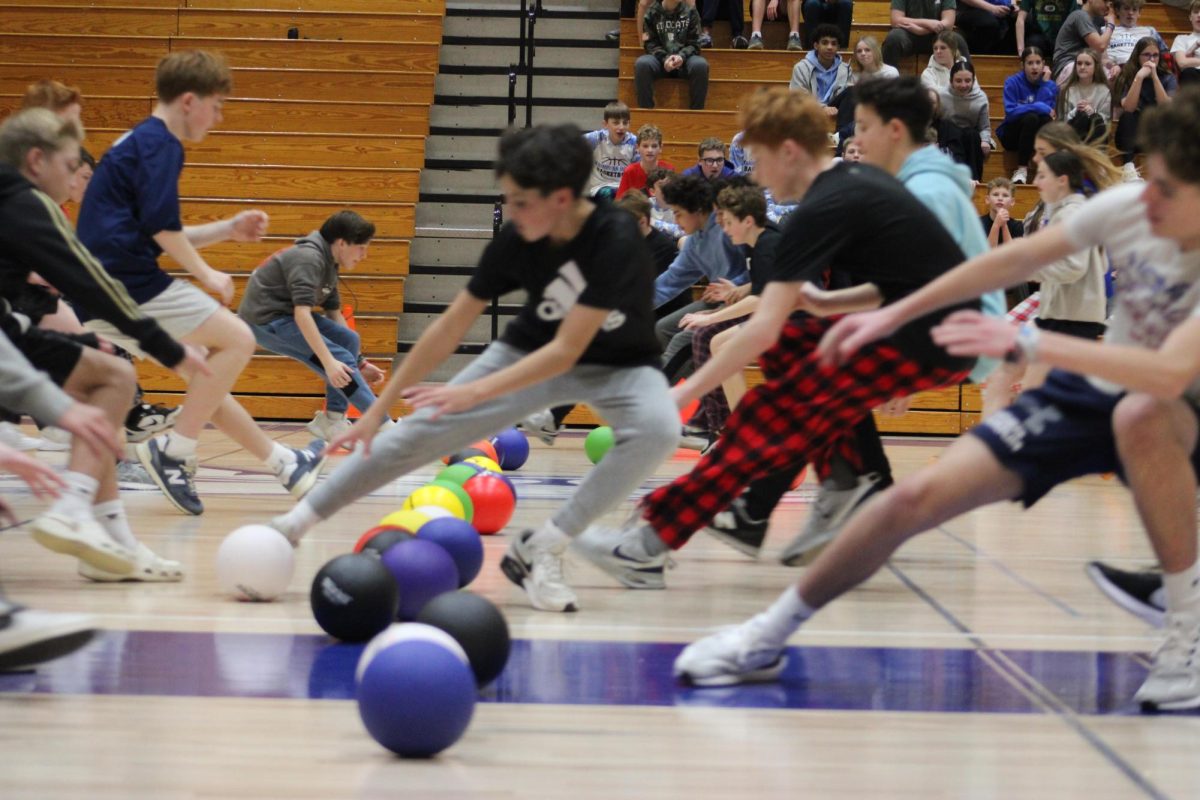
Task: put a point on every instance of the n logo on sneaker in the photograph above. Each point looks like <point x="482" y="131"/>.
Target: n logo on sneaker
<point x="175" y="477"/>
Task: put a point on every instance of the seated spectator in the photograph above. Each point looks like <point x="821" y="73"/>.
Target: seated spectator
<point x="613" y="149"/>
<point x="1126" y="34"/>
<point x="662" y="246"/>
<point x="672" y="43"/>
<point x="1186" y="46"/>
<point x="770" y="9"/>
<point x="661" y="215"/>
<point x="851" y="150"/>
<point x="1039" y="21"/>
<point x="711" y="164"/>
<point x="965" y="107"/>
<point x="867" y="61"/>
<point x="998" y="224"/>
<point x="1085" y="101"/>
<point x="985" y="24"/>
<point x="915" y="23"/>
<point x="1029" y="101"/>
<point x="945" y="55"/>
<point x="1084" y="29"/>
<point x="649" y="145"/>
<point x="744" y="165"/>
<point x="737" y="22"/>
<point x="826" y="12"/>
<point x="822" y="73"/>
<point x="1143" y="83"/>
<point x="640" y="16"/>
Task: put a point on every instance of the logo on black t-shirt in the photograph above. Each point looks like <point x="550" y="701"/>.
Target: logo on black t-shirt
<point x="561" y="294"/>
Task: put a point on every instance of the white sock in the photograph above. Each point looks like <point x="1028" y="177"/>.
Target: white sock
<point x="335" y="415"/>
<point x="280" y="457"/>
<point x="179" y="447"/>
<point x="550" y="537"/>
<point x="298" y="521"/>
<point x="785" y="615"/>
<point x="76" y="498"/>
<point x="111" y="516"/>
<point x="1183" y="589"/>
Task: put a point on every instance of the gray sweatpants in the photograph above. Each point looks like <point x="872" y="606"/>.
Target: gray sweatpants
<point x="633" y="400"/>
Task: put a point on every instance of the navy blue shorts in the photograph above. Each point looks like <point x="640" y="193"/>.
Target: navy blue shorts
<point x="1059" y="431"/>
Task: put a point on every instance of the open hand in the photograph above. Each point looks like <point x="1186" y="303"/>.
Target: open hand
<point x="970" y="333"/>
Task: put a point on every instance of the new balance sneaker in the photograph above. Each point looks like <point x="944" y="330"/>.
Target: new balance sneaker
<point x="84" y="538"/>
<point x="29" y="637"/>
<point x="829" y="513"/>
<point x="734" y="527"/>
<point x="11" y="436"/>
<point x="301" y="475"/>
<point x="741" y="654"/>
<point x="538" y="570"/>
<point x="756" y="42"/>
<point x="541" y="424"/>
<point x="1174" y="680"/>
<point x="132" y="476"/>
<point x="325" y="427"/>
<point x="147" y="419"/>
<point x="150" y="568"/>
<point x="794" y="42"/>
<point x="1139" y="593"/>
<point x="621" y="552"/>
<point x="176" y="477"/>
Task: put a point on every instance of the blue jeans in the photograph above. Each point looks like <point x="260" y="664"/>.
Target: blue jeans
<point x="283" y="336"/>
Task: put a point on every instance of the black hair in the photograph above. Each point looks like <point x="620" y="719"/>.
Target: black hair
<point x="827" y="31"/>
<point x="349" y="226"/>
<point x="1031" y="50"/>
<point x="545" y="158"/>
<point x="1064" y="162"/>
<point x="904" y="98"/>
<point x="689" y="192"/>
<point x="86" y="158"/>
<point x="962" y="66"/>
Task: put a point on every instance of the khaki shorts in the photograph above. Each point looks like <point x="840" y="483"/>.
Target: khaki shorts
<point x="180" y="309"/>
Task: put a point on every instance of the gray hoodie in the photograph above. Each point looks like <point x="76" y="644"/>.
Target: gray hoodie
<point x="968" y="112"/>
<point x="304" y="274"/>
<point x="1073" y="287"/>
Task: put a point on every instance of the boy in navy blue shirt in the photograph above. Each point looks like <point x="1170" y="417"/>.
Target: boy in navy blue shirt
<point x="129" y="217"/>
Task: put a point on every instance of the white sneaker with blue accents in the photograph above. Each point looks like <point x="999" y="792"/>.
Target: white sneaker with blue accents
<point x="741" y="654"/>
<point x="621" y="552"/>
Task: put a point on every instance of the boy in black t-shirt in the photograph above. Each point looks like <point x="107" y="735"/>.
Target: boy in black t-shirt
<point x="802" y="410"/>
<point x="586" y="334"/>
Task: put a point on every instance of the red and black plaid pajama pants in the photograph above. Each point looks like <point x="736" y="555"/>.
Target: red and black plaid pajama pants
<point x="714" y="406"/>
<point x="801" y="412"/>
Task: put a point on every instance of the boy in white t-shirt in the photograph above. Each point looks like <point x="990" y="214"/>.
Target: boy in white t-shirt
<point x="1126" y="34"/>
<point x="1186" y="48"/>
<point x="1138" y="413"/>
<point x="613" y="149"/>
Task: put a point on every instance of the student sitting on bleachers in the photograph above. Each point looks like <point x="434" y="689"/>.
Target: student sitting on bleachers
<point x="1039" y="21"/>
<point x="711" y="163"/>
<point x="867" y="61"/>
<point x="1143" y="83"/>
<point x="965" y="107"/>
<point x="945" y="55"/>
<point x="661" y="215"/>
<point x="838" y="13"/>
<point x="915" y="23"/>
<point x="771" y="10"/>
<point x="985" y="24"/>
<point x="1186" y="47"/>
<point x="1029" y="101"/>
<point x="649" y="146"/>
<point x="822" y="73"/>
<point x="1126" y="34"/>
<point x="1084" y="29"/>
<point x="672" y="43"/>
<point x="1085" y="101"/>
<point x="613" y="149"/>
<point x="737" y="22"/>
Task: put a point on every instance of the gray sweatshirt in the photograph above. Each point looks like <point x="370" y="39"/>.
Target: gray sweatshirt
<point x="304" y="274"/>
<point x="1073" y="287"/>
<point x="968" y="112"/>
<point x="24" y="388"/>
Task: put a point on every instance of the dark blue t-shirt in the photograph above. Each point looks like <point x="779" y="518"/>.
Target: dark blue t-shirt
<point x="134" y="195"/>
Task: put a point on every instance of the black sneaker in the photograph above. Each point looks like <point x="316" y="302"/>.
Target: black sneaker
<point x="740" y="43"/>
<point x="1139" y="593"/>
<point x="735" y="528"/>
<point x="176" y="477"/>
<point x="146" y="419"/>
<point x="614" y="35"/>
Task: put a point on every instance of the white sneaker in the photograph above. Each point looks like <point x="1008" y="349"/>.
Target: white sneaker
<point x="829" y="513"/>
<point x="132" y="476"/>
<point x="1129" y="173"/>
<point x="739" y="654"/>
<point x="11" y="436"/>
<point x="621" y="552"/>
<point x="1174" y="680"/>
<point x="325" y="427"/>
<point x="29" y="637"/>
<point x="541" y="424"/>
<point x="538" y="570"/>
<point x="150" y="569"/>
<point x="84" y="538"/>
<point x="1020" y="175"/>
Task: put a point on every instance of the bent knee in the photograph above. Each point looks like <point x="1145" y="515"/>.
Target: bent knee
<point x="1138" y="413"/>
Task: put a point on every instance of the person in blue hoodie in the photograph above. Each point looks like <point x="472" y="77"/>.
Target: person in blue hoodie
<point x="891" y="118"/>
<point x="1029" y="101"/>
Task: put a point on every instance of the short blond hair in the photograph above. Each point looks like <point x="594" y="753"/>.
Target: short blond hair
<point x="197" y="71"/>
<point x="52" y="95"/>
<point x="35" y="129"/>
<point x="773" y="115"/>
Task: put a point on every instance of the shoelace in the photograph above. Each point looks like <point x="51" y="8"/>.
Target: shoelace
<point x="549" y="566"/>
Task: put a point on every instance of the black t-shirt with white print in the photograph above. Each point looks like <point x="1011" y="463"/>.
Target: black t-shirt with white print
<point x="862" y="224"/>
<point x="607" y="265"/>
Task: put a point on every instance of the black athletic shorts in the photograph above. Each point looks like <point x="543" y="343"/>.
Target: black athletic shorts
<point x="1058" y="431"/>
<point x="54" y="353"/>
<point x="1082" y="330"/>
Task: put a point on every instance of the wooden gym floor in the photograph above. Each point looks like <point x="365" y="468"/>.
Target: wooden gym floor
<point x="979" y="663"/>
